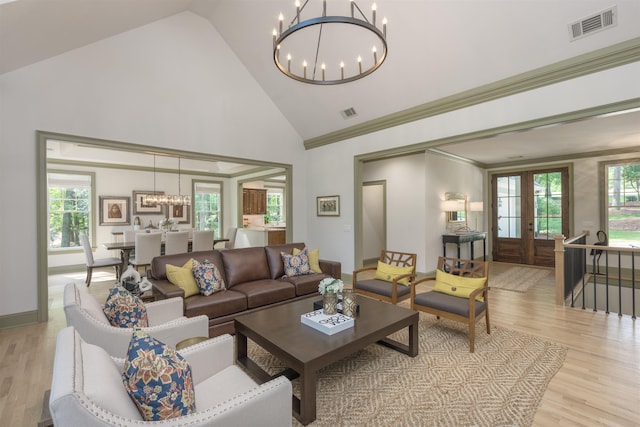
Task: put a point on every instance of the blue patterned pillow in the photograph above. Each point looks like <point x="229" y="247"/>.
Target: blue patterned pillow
<point x="125" y="310"/>
<point x="296" y="265"/>
<point x="207" y="277"/>
<point x="158" y="379"/>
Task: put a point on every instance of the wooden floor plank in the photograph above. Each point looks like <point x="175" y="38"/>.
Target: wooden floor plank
<point x="597" y="385"/>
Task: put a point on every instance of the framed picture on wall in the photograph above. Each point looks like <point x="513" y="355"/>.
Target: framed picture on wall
<point x="328" y="205"/>
<point x="142" y="208"/>
<point x="115" y="210"/>
<point x="181" y="213"/>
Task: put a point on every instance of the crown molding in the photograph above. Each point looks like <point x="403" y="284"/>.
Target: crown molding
<point x="588" y="63"/>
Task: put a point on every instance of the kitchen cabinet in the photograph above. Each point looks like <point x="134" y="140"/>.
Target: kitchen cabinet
<point x="254" y="201"/>
<point x="277" y="237"/>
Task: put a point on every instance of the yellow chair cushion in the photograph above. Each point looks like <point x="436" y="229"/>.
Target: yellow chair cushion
<point x="388" y="272"/>
<point x="314" y="259"/>
<point x="458" y="286"/>
<point x="183" y="278"/>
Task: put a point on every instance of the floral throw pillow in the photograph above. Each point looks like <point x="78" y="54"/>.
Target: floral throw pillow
<point x="207" y="277"/>
<point x="158" y="379"/>
<point x="296" y="265"/>
<point x="124" y="309"/>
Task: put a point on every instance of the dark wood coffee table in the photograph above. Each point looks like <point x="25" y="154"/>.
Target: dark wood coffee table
<point x="305" y="350"/>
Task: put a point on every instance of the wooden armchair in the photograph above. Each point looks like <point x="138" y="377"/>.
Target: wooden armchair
<point x="386" y="286"/>
<point x="460" y="308"/>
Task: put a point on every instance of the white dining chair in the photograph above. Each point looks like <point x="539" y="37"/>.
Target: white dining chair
<point x="230" y="237"/>
<point x="92" y="263"/>
<point x="148" y="246"/>
<point x="202" y="240"/>
<point x="130" y="235"/>
<point x="176" y="242"/>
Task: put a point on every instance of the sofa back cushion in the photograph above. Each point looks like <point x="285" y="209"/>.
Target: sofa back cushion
<point x="244" y="265"/>
<point x="159" y="263"/>
<point x="276" y="266"/>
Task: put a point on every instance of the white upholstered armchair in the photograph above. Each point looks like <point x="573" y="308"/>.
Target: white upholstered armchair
<point x="166" y="322"/>
<point x="87" y="389"/>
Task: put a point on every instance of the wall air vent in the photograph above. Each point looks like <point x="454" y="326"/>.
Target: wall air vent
<point x="348" y="113"/>
<point x="603" y="20"/>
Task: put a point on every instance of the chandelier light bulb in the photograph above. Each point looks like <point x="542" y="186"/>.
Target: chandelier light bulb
<point x="359" y="64"/>
<point x="374" y="8"/>
<point x="281" y="19"/>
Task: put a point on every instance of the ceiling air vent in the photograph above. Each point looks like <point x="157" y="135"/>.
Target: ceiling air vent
<point x="603" y="20"/>
<point x="348" y="113"/>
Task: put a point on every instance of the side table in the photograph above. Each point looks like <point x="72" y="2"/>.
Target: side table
<point x="459" y="239"/>
<point x="147" y="296"/>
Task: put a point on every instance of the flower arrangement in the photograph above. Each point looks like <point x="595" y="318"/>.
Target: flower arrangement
<point x="330" y="286"/>
<point x="168" y="224"/>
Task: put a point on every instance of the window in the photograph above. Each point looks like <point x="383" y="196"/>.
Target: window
<point x="509" y="201"/>
<point x="547" y="202"/>
<point x="275" y="205"/>
<point x="207" y="206"/>
<point x="69" y="208"/>
<point x="623" y="206"/>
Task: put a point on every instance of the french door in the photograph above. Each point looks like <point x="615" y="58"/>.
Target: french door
<point x="529" y="209"/>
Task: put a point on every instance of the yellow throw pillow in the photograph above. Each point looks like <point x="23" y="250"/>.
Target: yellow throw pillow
<point x="314" y="259"/>
<point x="389" y="272"/>
<point x="458" y="286"/>
<point x="183" y="278"/>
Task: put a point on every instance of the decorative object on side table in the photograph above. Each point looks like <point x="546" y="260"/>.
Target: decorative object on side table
<point x="330" y="288"/>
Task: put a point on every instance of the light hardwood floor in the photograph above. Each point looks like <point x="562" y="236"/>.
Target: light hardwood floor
<point x="598" y="385"/>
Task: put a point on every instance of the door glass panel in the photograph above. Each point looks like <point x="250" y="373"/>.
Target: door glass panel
<point x="509" y="213"/>
<point x="547" y="189"/>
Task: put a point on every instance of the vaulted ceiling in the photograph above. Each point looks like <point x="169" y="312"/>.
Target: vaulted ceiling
<point x="437" y="49"/>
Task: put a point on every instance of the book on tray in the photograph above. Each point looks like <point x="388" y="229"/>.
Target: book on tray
<point x="327" y="323"/>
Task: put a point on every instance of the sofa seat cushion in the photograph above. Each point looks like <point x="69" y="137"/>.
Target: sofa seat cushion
<point x="244" y="265"/>
<point x="307" y="284"/>
<point x="264" y="292"/>
<point x="381" y="287"/>
<point x="215" y="305"/>
<point x="209" y="393"/>
<point x="448" y="303"/>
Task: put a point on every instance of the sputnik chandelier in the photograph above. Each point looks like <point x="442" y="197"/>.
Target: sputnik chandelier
<point x="329" y="50"/>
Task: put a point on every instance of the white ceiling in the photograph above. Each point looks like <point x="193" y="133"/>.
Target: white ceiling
<point x="437" y="48"/>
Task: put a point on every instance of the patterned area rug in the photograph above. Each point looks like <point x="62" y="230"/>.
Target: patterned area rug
<point x="519" y="278"/>
<point x="501" y="384"/>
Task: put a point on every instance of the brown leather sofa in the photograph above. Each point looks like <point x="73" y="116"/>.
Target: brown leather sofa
<point x="253" y="279"/>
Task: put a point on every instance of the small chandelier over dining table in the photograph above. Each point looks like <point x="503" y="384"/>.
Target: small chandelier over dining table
<point x="329" y="50"/>
<point x="166" y="199"/>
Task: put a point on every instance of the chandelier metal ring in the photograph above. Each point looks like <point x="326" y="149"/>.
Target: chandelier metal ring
<point x="285" y="66"/>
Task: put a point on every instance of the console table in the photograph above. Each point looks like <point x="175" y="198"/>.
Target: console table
<point x="459" y="239"/>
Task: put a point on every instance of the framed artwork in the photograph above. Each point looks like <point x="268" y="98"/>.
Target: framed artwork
<point x="115" y="210"/>
<point x="328" y="205"/>
<point x="142" y="208"/>
<point x="180" y="213"/>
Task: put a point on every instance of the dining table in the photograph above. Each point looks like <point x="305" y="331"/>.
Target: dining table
<point x="126" y="248"/>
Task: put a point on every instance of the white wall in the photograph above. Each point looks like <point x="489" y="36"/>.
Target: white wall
<point x="173" y="83"/>
<point x="331" y="168"/>
<point x="176" y="84"/>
